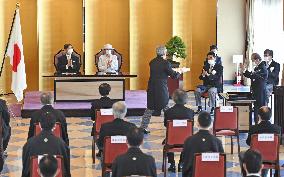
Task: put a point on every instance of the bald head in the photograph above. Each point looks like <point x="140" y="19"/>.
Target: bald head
<point x="46" y="98"/>
<point x="119" y="109"/>
<point x="264" y="113"/>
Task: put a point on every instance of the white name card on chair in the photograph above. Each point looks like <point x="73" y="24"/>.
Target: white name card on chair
<point x="210" y="157"/>
<point x="106" y="112"/>
<point x="39" y="157"/>
<point x="265" y="137"/>
<point x="179" y="123"/>
<point x="118" y="139"/>
<point x="226" y="109"/>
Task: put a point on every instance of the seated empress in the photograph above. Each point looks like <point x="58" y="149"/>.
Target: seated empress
<point x="108" y="63"/>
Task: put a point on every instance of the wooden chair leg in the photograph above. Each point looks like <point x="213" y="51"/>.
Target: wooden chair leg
<point x="238" y="139"/>
<point x="232" y="145"/>
<point x="165" y="163"/>
<point x="103" y="170"/>
<point x="93" y="151"/>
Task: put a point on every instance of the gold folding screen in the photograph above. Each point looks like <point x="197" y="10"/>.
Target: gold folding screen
<point x="59" y="22"/>
<point x="133" y="27"/>
<point x="28" y="11"/>
<point x="107" y="21"/>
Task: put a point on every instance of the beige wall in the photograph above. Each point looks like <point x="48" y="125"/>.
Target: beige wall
<point x="230" y="33"/>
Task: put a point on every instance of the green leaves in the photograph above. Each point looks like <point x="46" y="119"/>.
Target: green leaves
<point x="176" y="47"/>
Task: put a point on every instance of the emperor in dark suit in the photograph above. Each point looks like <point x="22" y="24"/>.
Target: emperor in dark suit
<point x="47" y="101"/>
<point x="68" y="63"/>
<point x="273" y="69"/>
<point x="202" y="141"/>
<point x="180" y="112"/>
<point x="258" y="83"/>
<point x="157" y="91"/>
<point x="46" y="143"/>
<point x="134" y="161"/>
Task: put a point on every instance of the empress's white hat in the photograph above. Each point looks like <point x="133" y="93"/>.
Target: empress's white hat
<point x="107" y="46"/>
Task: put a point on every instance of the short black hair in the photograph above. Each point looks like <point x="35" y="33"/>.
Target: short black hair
<point x="204" y="119"/>
<point x="48" y="166"/>
<point x="135" y="136"/>
<point x="253" y="161"/>
<point x="211" y="53"/>
<point x="47" y="120"/>
<point x="269" y="52"/>
<point x="265" y="113"/>
<point x="256" y="56"/>
<point x="104" y="89"/>
<point x="180" y="96"/>
<point x="213" y="47"/>
<point x="66" y="46"/>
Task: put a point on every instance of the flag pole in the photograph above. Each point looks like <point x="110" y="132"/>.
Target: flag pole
<point x="3" y="61"/>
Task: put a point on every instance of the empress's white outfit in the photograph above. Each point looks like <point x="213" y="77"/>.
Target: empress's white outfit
<point x="103" y="63"/>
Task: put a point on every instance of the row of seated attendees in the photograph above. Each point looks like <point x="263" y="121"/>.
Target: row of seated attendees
<point x="134" y="161"/>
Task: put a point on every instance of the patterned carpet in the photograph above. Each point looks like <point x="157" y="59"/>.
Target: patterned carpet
<point x="80" y="144"/>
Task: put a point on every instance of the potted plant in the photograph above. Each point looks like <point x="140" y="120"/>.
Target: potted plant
<point x="175" y="49"/>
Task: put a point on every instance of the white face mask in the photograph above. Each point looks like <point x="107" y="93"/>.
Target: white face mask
<point x="69" y="51"/>
<point x="211" y="62"/>
<point x="108" y="52"/>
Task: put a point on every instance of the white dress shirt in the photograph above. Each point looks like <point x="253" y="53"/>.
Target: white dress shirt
<point x="103" y="63"/>
<point x="68" y="58"/>
<point x="253" y="174"/>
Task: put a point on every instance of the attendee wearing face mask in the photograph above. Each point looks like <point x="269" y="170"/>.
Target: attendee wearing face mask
<point x="108" y="62"/>
<point x="211" y="76"/>
<point x="157" y="92"/>
<point x="68" y="63"/>
<point x="258" y="82"/>
<point x="214" y="48"/>
<point x="273" y="69"/>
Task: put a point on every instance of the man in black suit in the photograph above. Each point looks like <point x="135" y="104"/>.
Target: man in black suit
<point x="273" y="69"/>
<point x="214" y="48"/>
<point x="47" y="102"/>
<point x="104" y="102"/>
<point x="46" y="143"/>
<point x="258" y="82"/>
<point x="252" y="163"/>
<point x="68" y="63"/>
<point x="202" y="141"/>
<point x="211" y="76"/>
<point x="134" y="161"/>
<point x="178" y="111"/>
<point x="264" y="126"/>
<point x="47" y="166"/>
<point x="6" y="130"/>
<point x="117" y="127"/>
<point x="157" y="92"/>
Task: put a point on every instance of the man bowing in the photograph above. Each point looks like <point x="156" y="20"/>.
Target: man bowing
<point x="157" y="92"/>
